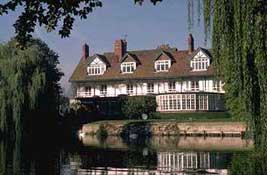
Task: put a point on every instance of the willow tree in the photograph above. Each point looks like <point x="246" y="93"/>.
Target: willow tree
<point x="239" y="51"/>
<point x="29" y="88"/>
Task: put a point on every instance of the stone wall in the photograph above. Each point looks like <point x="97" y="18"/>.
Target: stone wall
<point x="118" y="128"/>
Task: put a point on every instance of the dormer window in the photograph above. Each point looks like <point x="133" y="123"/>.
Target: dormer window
<point x="200" y="62"/>
<point x="128" y="67"/>
<point x="162" y="65"/>
<point x="96" y="67"/>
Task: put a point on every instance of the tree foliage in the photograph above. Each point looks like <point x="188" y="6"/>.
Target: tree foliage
<point x="239" y="51"/>
<point x="47" y="13"/>
<point x="29" y="88"/>
<point x="134" y="107"/>
<point x="249" y="163"/>
<point x="50" y="14"/>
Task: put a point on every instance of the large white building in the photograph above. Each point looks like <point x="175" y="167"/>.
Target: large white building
<point x="181" y="80"/>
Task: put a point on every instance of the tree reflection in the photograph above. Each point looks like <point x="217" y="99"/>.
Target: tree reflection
<point x="19" y="158"/>
<point x="249" y="163"/>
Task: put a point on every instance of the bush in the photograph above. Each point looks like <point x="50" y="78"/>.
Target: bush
<point x="102" y="133"/>
<point x="134" y="107"/>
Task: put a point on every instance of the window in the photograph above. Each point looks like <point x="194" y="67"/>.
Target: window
<point x="171" y="86"/>
<point x="87" y="91"/>
<point x="216" y="85"/>
<point x="103" y="90"/>
<point x="130" y="89"/>
<point x="200" y="63"/>
<point x="203" y="102"/>
<point x="128" y="67"/>
<point x="96" y="69"/>
<point x="150" y="87"/>
<point x="194" y="86"/>
<point x="177" y="102"/>
<point x="162" y="65"/>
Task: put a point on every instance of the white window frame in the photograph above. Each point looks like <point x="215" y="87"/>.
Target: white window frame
<point x="130" y="89"/>
<point x="172" y="86"/>
<point x="177" y="102"/>
<point x="203" y="102"/>
<point x="162" y="65"/>
<point x="88" y="90"/>
<point x="150" y="87"/>
<point x="194" y="85"/>
<point x="103" y="89"/>
<point x="216" y="85"/>
<point x="200" y="62"/>
<point x="97" y="67"/>
<point x="128" y="67"/>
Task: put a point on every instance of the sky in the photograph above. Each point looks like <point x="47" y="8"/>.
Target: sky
<point x="145" y="27"/>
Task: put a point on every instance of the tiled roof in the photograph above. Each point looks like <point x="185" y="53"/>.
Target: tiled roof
<point x="180" y="67"/>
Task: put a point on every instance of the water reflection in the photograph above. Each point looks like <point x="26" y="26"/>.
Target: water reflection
<point x="158" y="155"/>
<point x="99" y="161"/>
<point x="173" y="143"/>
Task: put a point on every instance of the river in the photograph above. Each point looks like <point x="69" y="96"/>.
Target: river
<point x="114" y="156"/>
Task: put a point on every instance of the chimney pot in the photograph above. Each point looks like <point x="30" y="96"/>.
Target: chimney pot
<point x="190" y="43"/>
<point x="85" y="51"/>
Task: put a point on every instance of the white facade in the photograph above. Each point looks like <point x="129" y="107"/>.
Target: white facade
<point x="171" y="96"/>
<point x="163" y="87"/>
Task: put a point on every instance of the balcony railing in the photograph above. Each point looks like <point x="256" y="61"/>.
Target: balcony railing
<point x="110" y="94"/>
<point x="84" y="94"/>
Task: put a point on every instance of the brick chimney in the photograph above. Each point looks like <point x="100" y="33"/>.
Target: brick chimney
<point x="85" y="51"/>
<point x="190" y="41"/>
<point x="120" y="48"/>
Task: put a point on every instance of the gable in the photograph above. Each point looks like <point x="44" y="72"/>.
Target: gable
<point x="200" y="61"/>
<point x="164" y="56"/>
<point x="200" y="54"/>
<point x="130" y="58"/>
<point x="96" y="61"/>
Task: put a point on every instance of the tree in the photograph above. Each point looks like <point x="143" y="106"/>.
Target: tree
<point x="50" y="14"/>
<point x="134" y="107"/>
<point x="239" y="50"/>
<point x="29" y="89"/>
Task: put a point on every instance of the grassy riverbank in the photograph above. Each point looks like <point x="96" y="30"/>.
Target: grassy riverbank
<point x="180" y="117"/>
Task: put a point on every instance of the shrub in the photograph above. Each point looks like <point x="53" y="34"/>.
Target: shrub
<point x="102" y="133"/>
<point x="134" y="107"/>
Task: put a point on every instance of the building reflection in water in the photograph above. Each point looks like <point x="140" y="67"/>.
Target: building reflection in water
<point x="171" y="163"/>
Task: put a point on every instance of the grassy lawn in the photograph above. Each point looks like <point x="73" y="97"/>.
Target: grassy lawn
<point x="194" y="116"/>
<point x="180" y="117"/>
